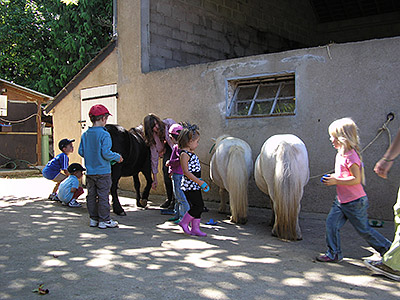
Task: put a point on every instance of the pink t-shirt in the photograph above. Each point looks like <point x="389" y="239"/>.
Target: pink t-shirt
<point x="347" y="193"/>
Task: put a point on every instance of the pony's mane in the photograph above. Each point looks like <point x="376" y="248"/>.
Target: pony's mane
<point x="221" y="138"/>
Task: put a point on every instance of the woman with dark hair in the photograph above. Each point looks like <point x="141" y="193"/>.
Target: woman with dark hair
<point x="157" y="138"/>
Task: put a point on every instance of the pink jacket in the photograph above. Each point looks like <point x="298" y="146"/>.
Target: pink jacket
<point x="157" y="149"/>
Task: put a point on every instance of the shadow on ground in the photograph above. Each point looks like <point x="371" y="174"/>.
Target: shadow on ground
<point x="148" y="257"/>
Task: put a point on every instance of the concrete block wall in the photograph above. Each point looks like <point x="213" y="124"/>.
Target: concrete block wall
<point x="185" y="32"/>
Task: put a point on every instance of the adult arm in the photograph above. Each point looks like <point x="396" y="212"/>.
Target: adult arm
<point x="168" y="123"/>
<point x="154" y="165"/>
<point x="383" y="166"/>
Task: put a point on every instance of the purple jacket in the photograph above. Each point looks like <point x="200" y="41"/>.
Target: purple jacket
<point x="174" y="163"/>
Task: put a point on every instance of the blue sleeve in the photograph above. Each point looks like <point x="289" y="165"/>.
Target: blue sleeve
<point x="64" y="161"/>
<point x="75" y="183"/>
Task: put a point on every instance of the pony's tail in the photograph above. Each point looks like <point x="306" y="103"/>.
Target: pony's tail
<point x="237" y="181"/>
<point x="287" y="192"/>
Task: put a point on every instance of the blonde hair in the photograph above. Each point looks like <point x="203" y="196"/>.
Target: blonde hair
<point x="346" y="133"/>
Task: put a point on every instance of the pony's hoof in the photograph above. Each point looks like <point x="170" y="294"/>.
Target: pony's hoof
<point x="141" y="203"/>
<point x="240" y="221"/>
<point x="122" y="213"/>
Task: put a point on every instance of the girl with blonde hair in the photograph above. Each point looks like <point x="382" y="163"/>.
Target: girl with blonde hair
<point x="351" y="202"/>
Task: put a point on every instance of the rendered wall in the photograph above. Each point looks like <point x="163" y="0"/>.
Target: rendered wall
<point x="67" y="113"/>
<point x="354" y="79"/>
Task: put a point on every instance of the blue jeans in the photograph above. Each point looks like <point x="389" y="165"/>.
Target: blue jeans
<point x="356" y="212"/>
<point x="181" y="204"/>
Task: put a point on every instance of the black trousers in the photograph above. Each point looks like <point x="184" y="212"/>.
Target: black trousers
<point x="196" y="203"/>
<point x="167" y="179"/>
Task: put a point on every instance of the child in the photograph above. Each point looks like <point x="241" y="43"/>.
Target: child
<point x="95" y="148"/>
<point x="157" y="138"/>
<point x="188" y="141"/>
<point x="69" y="188"/>
<point x="181" y="204"/>
<point x="56" y="169"/>
<point x="351" y="201"/>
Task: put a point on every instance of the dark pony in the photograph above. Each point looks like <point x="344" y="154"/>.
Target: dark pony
<point x="131" y="145"/>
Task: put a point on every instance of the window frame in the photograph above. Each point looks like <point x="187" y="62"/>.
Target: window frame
<point x="233" y="86"/>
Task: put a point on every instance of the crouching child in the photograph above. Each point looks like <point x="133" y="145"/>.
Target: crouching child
<point x="69" y="189"/>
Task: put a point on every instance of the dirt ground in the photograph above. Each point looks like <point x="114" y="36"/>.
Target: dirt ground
<point x="147" y="257"/>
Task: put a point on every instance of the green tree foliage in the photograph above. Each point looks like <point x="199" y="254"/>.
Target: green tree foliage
<point x="44" y="43"/>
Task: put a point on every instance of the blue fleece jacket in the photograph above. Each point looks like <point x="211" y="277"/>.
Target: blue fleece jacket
<point x="95" y="148"/>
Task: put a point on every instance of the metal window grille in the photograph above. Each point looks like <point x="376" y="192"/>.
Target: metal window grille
<point x="262" y="97"/>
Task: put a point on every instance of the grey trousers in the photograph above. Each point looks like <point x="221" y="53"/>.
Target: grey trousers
<point x="97" y="200"/>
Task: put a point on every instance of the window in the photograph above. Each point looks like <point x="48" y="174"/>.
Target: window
<point x="261" y="96"/>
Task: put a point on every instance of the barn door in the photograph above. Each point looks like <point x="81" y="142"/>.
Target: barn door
<point x="106" y="95"/>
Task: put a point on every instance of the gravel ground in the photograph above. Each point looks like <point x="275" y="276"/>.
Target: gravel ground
<point x="147" y="257"/>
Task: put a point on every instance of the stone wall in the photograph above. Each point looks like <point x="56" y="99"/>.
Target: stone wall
<point x="197" y="31"/>
<point x="185" y="32"/>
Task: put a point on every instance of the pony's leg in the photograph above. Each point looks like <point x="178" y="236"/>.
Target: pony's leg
<point x="298" y="230"/>
<point x="136" y="183"/>
<point x="272" y="221"/>
<point x="146" y="171"/>
<point x="116" y="175"/>
<point x="223" y="195"/>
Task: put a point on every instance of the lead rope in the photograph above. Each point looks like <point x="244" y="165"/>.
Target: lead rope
<point x="384" y="127"/>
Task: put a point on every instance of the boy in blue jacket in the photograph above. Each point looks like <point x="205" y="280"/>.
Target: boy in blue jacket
<point x="57" y="168"/>
<point x="95" y="148"/>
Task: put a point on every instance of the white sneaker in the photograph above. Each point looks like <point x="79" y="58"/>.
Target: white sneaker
<point x="109" y="223"/>
<point x="93" y="223"/>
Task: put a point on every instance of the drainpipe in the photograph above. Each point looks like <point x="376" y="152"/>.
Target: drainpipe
<point x="115" y="34"/>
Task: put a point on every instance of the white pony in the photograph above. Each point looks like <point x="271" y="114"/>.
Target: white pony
<point x="230" y="169"/>
<point x="281" y="170"/>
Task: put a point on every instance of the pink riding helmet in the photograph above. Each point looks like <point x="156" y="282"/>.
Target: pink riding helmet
<point x="175" y="129"/>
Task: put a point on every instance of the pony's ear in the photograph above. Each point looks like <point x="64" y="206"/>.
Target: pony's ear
<point x="213" y="139"/>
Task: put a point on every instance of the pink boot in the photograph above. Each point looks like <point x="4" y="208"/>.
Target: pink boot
<point x="184" y="223"/>
<point x="196" y="228"/>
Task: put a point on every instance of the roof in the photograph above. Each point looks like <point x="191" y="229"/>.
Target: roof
<point x="81" y="75"/>
<point x="333" y="10"/>
<point x="25" y="89"/>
